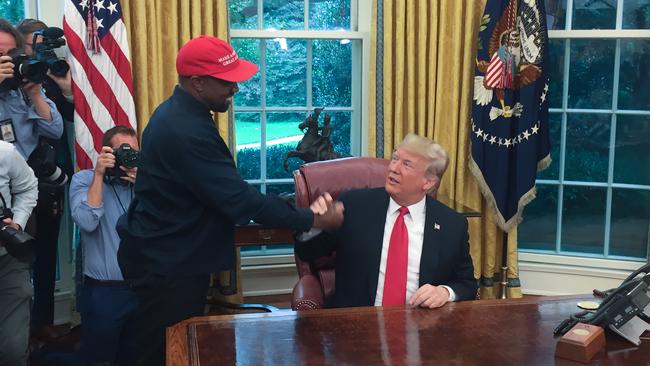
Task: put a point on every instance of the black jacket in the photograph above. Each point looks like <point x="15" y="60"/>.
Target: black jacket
<point x="189" y="196"/>
<point x="445" y="256"/>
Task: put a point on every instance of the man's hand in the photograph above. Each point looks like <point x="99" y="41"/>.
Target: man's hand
<point x="10" y="222"/>
<point x="328" y="215"/>
<point x="64" y="82"/>
<point x="105" y="161"/>
<point x="6" y="68"/>
<point x="429" y="296"/>
<point x="32" y="90"/>
<point x="131" y="174"/>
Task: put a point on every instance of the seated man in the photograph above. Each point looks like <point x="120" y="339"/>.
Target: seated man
<point x="97" y="199"/>
<point x="397" y="245"/>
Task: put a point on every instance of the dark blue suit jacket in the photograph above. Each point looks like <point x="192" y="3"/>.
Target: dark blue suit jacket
<point x="358" y="243"/>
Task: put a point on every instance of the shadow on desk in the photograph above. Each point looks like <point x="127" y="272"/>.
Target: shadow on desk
<point x="487" y="332"/>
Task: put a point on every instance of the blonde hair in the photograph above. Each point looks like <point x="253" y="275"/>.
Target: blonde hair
<point x="436" y="156"/>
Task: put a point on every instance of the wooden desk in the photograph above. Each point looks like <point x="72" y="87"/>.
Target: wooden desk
<point x="485" y="332"/>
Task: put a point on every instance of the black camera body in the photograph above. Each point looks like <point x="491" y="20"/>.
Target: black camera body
<point x="18" y="243"/>
<point x="125" y="156"/>
<point x="34" y="68"/>
<point x="43" y="162"/>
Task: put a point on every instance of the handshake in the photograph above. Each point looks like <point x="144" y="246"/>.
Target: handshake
<point x="328" y="214"/>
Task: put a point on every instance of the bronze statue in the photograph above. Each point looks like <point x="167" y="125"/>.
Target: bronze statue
<point x="314" y="146"/>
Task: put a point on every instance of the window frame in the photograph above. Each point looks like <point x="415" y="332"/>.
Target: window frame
<point x="359" y="34"/>
<point x="558" y="256"/>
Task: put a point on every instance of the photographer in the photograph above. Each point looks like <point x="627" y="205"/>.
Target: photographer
<point x="53" y="158"/>
<point x="25" y="112"/>
<point x="97" y="199"/>
<point x="18" y="191"/>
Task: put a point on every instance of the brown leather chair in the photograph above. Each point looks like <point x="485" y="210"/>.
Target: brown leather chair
<point x="315" y="286"/>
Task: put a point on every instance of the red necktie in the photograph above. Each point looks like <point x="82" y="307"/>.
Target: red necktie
<point x="396" y="263"/>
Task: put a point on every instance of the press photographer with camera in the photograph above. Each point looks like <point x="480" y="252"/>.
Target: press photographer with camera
<point x="98" y="197"/>
<point x="18" y="192"/>
<point x="52" y="163"/>
<point x="25" y="112"/>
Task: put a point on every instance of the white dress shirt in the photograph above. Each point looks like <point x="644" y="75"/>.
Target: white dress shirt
<point x="414" y="221"/>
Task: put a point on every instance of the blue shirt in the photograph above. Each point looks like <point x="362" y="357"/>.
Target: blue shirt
<point x="27" y="123"/>
<point x="97" y="225"/>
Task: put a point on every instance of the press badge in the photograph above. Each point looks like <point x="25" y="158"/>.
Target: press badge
<point x="7" y="131"/>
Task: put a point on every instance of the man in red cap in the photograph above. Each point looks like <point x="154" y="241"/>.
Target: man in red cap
<point x="179" y="227"/>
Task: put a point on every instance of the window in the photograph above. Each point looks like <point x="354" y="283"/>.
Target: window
<point x="309" y="53"/>
<point x="12" y="10"/>
<point x="594" y="199"/>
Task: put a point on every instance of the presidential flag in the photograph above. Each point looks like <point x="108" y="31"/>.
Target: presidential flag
<point x="509" y="126"/>
<point x="100" y="66"/>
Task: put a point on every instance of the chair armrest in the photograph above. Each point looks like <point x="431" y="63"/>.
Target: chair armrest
<point x="307" y="294"/>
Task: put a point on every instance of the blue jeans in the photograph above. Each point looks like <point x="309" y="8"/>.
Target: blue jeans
<point x="107" y="324"/>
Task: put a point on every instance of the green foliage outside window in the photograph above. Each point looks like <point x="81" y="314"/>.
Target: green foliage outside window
<point x="12" y="10"/>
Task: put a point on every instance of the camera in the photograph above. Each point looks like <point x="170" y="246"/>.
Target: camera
<point x="125" y="156"/>
<point x="34" y="68"/>
<point x="18" y="243"/>
<point x="43" y="163"/>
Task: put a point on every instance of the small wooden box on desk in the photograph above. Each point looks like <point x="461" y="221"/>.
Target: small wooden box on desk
<point x="581" y="343"/>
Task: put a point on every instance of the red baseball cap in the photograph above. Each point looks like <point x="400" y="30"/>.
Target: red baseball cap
<point x="211" y="56"/>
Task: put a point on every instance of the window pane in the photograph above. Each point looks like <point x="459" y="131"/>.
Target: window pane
<point x="341" y="126"/>
<point x="284" y="14"/>
<point x="539" y="227"/>
<point x="590" y="14"/>
<point x="332" y="73"/>
<point x="249" y="91"/>
<point x="583" y="219"/>
<point x="630" y="232"/>
<point x="555" y="14"/>
<point x="555" y="134"/>
<point x="587" y="147"/>
<point x="248" y="136"/>
<point x="329" y="14"/>
<point x="12" y="10"/>
<point x="636" y="14"/>
<point x="282" y="136"/>
<point x="286" y="72"/>
<point x="633" y="90"/>
<point x="243" y="14"/>
<point x="556" y="72"/>
<point x="632" y="158"/>
<point x="592" y="74"/>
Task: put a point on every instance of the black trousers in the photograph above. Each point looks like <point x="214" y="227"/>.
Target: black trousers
<point x="48" y="214"/>
<point x="163" y="302"/>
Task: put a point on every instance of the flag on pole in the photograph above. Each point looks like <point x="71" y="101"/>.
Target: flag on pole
<point x="509" y="131"/>
<point x="100" y="66"/>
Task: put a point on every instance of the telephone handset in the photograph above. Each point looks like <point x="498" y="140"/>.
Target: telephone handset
<point x="625" y="310"/>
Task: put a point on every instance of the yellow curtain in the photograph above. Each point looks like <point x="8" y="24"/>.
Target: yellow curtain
<point x="157" y="29"/>
<point x="429" y="49"/>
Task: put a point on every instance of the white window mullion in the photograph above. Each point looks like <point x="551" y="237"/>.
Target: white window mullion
<point x="612" y="137"/>
<point x="563" y="133"/>
<point x="263" y="115"/>
<point x="309" y="80"/>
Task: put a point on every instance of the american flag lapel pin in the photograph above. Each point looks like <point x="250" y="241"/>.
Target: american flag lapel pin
<point x="436" y="226"/>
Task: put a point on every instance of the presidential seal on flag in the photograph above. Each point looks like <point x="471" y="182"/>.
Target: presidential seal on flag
<point x="509" y="127"/>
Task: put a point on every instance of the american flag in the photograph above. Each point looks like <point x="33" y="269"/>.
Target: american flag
<point x="100" y="66"/>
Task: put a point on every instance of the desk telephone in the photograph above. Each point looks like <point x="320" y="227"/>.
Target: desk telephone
<point x="625" y="310"/>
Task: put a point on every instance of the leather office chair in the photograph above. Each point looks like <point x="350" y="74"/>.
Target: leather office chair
<point x="315" y="286"/>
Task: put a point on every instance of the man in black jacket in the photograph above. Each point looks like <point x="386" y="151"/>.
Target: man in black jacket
<point x="188" y="197"/>
<point x="397" y="245"/>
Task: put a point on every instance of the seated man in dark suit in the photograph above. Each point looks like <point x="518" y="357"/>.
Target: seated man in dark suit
<point x="397" y="245"/>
